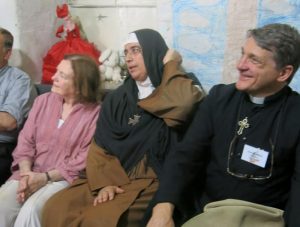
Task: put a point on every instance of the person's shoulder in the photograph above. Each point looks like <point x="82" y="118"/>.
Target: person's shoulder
<point x="221" y="95"/>
<point x="48" y="97"/>
<point x="90" y="107"/>
<point x="115" y="93"/>
<point x="221" y="90"/>
<point x="294" y="99"/>
<point x="295" y="94"/>
<point x="19" y="73"/>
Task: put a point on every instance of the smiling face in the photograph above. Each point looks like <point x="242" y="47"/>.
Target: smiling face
<point x="63" y="80"/>
<point x="135" y="61"/>
<point x="258" y="74"/>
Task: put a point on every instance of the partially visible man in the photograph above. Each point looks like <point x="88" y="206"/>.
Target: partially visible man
<point x="245" y="137"/>
<point x="16" y="98"/>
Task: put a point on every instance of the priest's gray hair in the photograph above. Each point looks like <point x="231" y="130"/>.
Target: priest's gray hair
<point x="282" y="40"/>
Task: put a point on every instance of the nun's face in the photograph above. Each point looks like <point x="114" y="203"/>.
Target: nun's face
<point x="135" y="61"/>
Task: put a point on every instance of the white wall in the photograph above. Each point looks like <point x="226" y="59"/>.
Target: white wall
<point x="107" y="22"/>
<point x="208" y="33"/>
<point x="8" y="19"/>
<point x="33" y="24"/>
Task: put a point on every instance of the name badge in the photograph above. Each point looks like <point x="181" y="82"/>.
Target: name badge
<point x="255" y="155"/>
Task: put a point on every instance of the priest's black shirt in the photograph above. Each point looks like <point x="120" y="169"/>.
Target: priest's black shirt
<point x="213" y="149"/>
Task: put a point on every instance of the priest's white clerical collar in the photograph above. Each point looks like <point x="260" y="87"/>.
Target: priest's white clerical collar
<point x="257" y="100"/>
<point x="145" y="88"/>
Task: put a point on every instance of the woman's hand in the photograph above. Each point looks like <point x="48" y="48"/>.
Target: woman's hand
<point x="107" y="193"/>
<point x="23" y="190"/>
<point x="29" y="183"/>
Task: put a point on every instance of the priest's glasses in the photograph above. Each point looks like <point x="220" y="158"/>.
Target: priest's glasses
<point x="241" y="169"/>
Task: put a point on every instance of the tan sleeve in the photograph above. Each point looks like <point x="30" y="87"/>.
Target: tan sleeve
<point x="175" y="98"/>
<point x="103" y="169"/>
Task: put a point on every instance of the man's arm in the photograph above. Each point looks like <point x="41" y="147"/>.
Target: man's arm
<point x="18" y="98"/>
<point x="184" y="163"/>
<point x="7" y="122"/>
<point x="162" y="215"/>
<point x="292" y="208"/>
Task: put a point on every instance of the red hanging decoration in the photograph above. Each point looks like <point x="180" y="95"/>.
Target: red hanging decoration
<point x="72" y="44"/>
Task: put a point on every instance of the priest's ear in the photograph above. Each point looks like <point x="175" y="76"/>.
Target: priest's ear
<point x="286" y="74"/>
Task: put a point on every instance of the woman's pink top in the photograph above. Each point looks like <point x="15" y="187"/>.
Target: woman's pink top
<point x="49" y="147"/>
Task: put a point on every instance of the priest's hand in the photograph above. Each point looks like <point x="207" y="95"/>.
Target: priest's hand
<point x="107" y="193"/>
<point x="162" y="216"/>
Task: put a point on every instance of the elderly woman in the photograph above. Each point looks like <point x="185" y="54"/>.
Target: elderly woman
<point x="53" y="145"/>
<point x="139" y="123"/>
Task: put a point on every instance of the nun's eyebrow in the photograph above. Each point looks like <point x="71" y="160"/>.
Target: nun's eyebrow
<point x="133" y="50"/>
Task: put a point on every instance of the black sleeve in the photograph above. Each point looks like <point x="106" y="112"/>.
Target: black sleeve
<point x="188" y="159"/>
<point x="291" y="213"/>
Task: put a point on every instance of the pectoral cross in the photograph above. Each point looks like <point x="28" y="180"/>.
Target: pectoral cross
<point x="243" y="124"/>
<point x="135" y="120"/>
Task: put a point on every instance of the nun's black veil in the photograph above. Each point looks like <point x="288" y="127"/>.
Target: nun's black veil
<point x="150" y="136"/>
